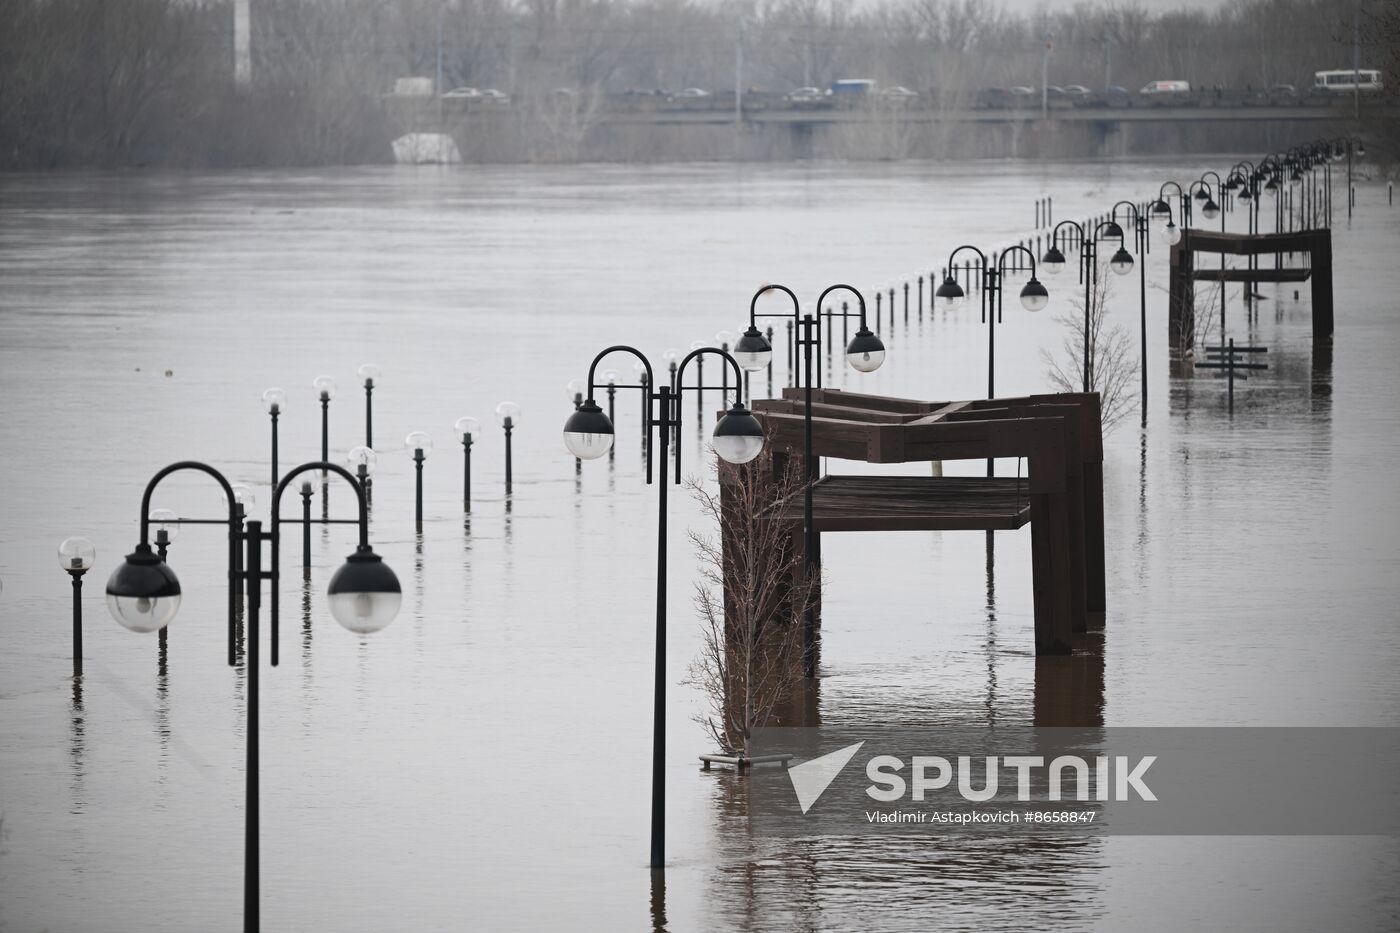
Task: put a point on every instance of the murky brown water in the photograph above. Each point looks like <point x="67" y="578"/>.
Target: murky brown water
<point x="485" y="761"/>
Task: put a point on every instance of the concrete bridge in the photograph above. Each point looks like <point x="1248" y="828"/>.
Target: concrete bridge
<point x="910" y="115"/>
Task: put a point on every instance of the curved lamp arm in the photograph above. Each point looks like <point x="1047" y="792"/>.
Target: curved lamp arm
<point x="175" y="468"/>
<point x="276" y="537"/>
<point x="323" y="467"/>
<point x="1105" y="223"/>
<point x="753" y="303"/>
<point x="1055" y="233"/>
<point x="733" y="364"/>
<point x="1162" y="191"/>
<point x="860" y="299"/>
<point x="646" y="389"/>
<point x="981" y="256"/>
<point x="233" y="533"/>
<point x="680" y="387"/>
<point x="1010" y="249"/>
<point x="619" y="348"/>
<point x="1137" y="215"/>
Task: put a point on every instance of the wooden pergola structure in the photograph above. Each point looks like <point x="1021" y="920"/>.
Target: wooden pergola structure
<point x="1316" y="244"/>
<point x="1060" y="496"/>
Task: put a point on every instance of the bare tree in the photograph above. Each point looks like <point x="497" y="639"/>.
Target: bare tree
<point x="1113" y="362"/>
<point x="752" y="598"/>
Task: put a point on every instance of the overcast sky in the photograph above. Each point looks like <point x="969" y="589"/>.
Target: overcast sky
<point x="1156" y="6"/>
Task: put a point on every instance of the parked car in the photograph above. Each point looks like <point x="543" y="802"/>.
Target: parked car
<point x="691" y="92"/>
<point x="1054" y="90"/>
<point x="1283" y="90"/>
<point x="463" y="92"/>
<point x="1077" y="90"/>
<point x="494" y="96"/>
<point x="1166" y="87"/>
<point x="898" y="92"/>
<point x="803" y="95"/>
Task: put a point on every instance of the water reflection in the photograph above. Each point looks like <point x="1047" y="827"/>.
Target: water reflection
<point x="1200" y="500"/>
<point x="991" y="641"/>
<point x="658" y="900"/>
<point x="77" y="747"/>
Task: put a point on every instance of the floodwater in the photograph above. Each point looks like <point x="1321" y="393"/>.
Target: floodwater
<point x="485" y="761"/>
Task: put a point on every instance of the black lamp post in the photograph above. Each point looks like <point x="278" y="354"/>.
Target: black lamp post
<point x="1141" y="241"/>
<point x="363" y="460"/>
<point x="368" y="373"/>
<point x="508" y="415"/>
<point x="274" y="400"/>
<point x="325" y="390"/>
<point x="738" y="438"/>
<point x="167" y="524"/>
<point x="575" y="392"/>
<point x="307" y="490"/>
<point x="143" y="594"/>
<point x="865" y="353"/>
<point x="1352" y="146"/>
<point x="76" y="556"/>
<point x="418" y="443"/>
<point x="610" y="377"/>
<point x="1161" y="210"/>
<point x="1121" y="263"/>
<point x="1033" y="296"/>
<point x="466" y="429"/>
<point x="644" y="375"/>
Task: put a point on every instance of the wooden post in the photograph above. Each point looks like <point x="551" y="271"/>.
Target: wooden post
<point x="1321" y="260"/>
<point x="1181" y="308"/>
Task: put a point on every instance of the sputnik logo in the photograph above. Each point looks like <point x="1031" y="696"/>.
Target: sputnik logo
<point x="811" y="778"/>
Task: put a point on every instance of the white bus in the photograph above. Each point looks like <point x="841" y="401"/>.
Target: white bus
<point x="1347" y="80"/>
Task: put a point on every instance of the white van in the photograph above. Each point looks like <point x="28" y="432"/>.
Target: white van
<point x="1166" y="87"/>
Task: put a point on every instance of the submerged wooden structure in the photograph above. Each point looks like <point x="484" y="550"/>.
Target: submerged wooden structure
<point x="1315" y="244"/>
<point x="1060" y="495"/>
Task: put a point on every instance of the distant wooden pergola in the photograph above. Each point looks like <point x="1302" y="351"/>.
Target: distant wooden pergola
<point x="1060" y="496"/>
<point x="1315" y="244"/>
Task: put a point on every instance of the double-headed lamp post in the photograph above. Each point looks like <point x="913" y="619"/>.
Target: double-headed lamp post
<point x="1121" y="262"/>
<point x="738" y="438"/>
<point x="1034" y="297"/>
<point x="143" y="594"/>
<point x="865" y="353"/>
<point x="950" y="294"/>
<point x="1161" y="210"/>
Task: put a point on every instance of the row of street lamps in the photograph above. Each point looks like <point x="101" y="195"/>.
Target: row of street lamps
<point x="364" y="594"/>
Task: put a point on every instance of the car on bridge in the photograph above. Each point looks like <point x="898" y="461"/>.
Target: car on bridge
<point x="691" y="93"/>
<point x="803" y="95"/>
<point x="493" y="96"/>
<point x="898" y="92"/>
<point x="469" y="93"/>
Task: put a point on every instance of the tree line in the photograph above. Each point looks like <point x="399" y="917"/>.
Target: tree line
<point x="150" y="82"/>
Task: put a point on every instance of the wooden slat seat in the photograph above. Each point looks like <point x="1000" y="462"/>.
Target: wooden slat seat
<point x="916" y="503"/>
